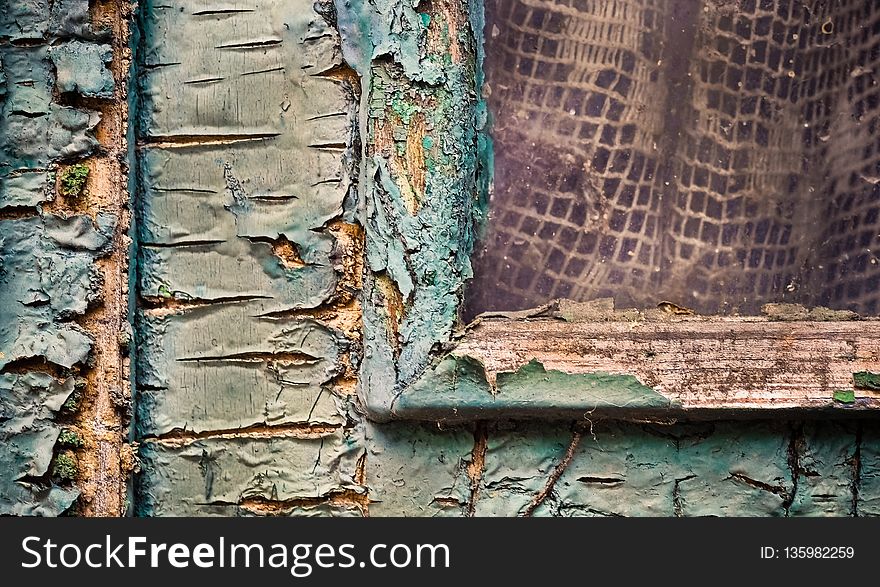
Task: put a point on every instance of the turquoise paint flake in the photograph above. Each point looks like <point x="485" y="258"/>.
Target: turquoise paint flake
<point x="459" y="387"/>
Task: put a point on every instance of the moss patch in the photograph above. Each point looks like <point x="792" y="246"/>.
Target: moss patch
<point x="867" y="380"/>
<point x="73" y="180"/>
<point x="70" y="437"/>
<point x="71" y="405"/>
<point x="65" y="467"/>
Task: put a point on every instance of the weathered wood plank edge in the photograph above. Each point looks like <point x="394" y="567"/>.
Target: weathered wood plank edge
<point x="687" y="367"/>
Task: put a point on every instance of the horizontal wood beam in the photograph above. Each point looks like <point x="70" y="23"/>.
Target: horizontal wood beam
<point x="695" y="366"/>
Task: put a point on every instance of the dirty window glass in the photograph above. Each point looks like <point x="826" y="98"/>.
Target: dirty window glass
<point x="718" y="154"/>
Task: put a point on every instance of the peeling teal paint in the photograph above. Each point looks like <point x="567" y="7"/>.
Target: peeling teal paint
<point x="82" y="68"/>
<point x="48" y="278"/>
<point x="428" y="469"/>
<point x="27" y="189"/>
<point x="866" y="481"/>
<point x="268" y="366"/>
<point x="35" y="131"/>
<point x="48" y="271"/>
<point x="130" y="336"/>
<point x="41" y="298"/>
<point x="426" y="251"/>
<point x="36" y="19"/>
<point x="416" y="470"/>
<point x="58" y="50"/>
<point x="520" y="457"/>
<point x="219" y="183"/>
<point x="720" y="468"/>
<point x="235" y="268"/>
<point x="29" y="404"/>
<point x="826" y="463"/>
<point x="459" y="387"/>
<point x="259" y="372"/>
<point x="212" y="476"/>
<point x="373" y="29"/>
<point x="623" y="469"/>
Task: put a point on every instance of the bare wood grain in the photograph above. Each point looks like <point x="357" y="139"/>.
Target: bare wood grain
<point x="699" y="364"/>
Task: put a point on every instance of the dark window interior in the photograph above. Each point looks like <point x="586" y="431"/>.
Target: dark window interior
<point x="717" y="154"/>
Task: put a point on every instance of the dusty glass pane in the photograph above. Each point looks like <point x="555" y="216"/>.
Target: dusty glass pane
<point x="718" y="154"/>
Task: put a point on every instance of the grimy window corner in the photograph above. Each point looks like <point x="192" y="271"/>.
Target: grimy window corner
<point x="675" y="212"/>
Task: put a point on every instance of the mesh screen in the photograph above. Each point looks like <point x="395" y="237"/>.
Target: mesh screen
<point x="719" y="154"/>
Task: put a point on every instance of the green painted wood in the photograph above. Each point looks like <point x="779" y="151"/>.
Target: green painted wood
<point x="244" y="134"/>
<point x="237" y="410"/>
<point x="214" y="475"/>
<point x="219" y="367"/>
<point x="243" y="137"/>
<point x="458" y="388"/>
<point x="416" y="470"/>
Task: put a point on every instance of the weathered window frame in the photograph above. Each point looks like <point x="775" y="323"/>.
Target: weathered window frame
<point x="424" y="176"/>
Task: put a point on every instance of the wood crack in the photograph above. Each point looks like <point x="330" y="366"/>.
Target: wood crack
<point x="857" y="472"/>
<point x="305" y="430"/>
<point x="556" y="474"/>
<point x="477" y="466"/>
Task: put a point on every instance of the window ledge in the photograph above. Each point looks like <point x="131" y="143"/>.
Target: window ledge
<point x="678" y="367"/>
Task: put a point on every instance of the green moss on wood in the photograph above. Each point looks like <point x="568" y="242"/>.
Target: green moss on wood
<point x="71" y="405"/>
<point x="65" y="467"/>
<point x="70" y="438"/>
<point x="866" y="380"/>
<point x="73" y="180"/>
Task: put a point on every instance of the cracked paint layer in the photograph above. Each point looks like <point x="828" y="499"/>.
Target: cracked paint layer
<point x="520" y="457"/>
<point x="866" y="473"/>
<point x="418" y="470"/>
<point x="607" y="468"/>
<point x="826" y="467"/>
<point x="245" y="151"/>
<point x="24" y="20"/>
<point x="337" y="462"/>
<point x="424" y="173"/>
<point x="48" y="277"/>
<point x="29" y="405"/>
<point x="55" y="51"/>
<point x="197" y="374"/>
<point x="269" y="433"/>
<point x="82" y="68"/>
<point x="622" y="469"/>
<point x="248" y="151"/>
<point x="245" y="148"/>
<point x="35" y="131"/>
<point x="219" y="476"/>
